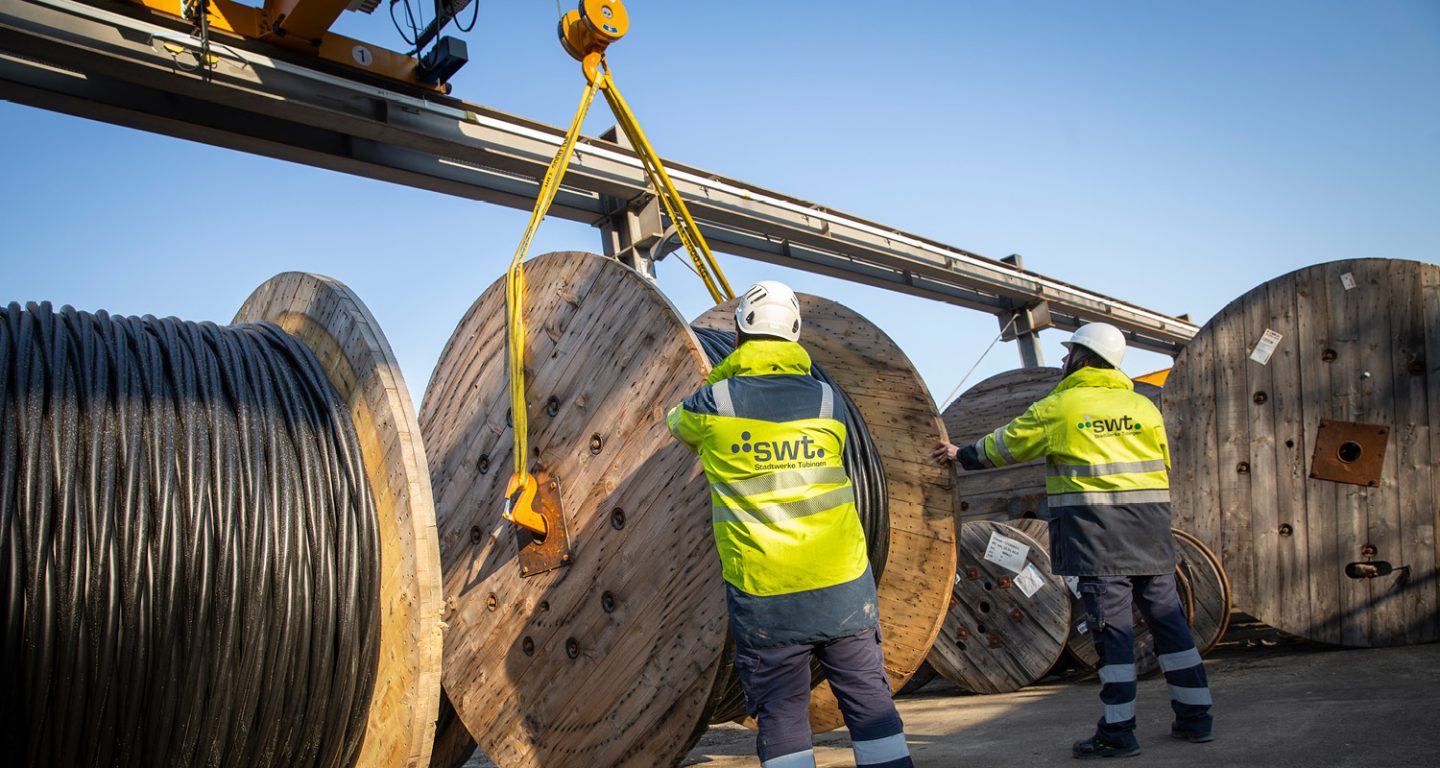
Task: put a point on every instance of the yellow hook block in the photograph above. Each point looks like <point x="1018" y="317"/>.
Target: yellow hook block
<point x="588" y="30"/>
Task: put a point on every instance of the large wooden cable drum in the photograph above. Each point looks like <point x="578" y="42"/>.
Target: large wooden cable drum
<point x="608" y="657"/>
<point x="996" y="638"/>
<point x="1308" y="463"/>
<point x="914" y="589"/>
<point x="223" y="538"/>
<point x="1016" y="491"/>
<point x="330" y="320"/>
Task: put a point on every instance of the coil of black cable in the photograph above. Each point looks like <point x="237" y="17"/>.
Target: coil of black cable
<point x="188" y="547"/>
<point x="861" y="460"/>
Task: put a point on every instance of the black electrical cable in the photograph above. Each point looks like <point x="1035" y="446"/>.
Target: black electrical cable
<point x="189" y="558"/>
<point x="861" y="459"/>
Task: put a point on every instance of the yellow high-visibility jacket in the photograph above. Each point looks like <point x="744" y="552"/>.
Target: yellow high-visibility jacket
<point x="1107" y="474"/>
<point x="791" y="546"/>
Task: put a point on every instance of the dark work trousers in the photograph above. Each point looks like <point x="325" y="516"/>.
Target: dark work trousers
<point x="777" y="693"/>
<point x="1108" y="611"/>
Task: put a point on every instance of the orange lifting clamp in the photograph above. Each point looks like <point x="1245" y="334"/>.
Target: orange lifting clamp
<point x="586" y="32"/>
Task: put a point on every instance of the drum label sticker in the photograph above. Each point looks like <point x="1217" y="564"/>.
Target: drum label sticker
<point x="1006" y="552"/>
<point x="1030" y="581"/>
<point x="1265" y="347"/>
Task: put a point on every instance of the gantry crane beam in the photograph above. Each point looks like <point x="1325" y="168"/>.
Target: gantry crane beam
<point x="120" y="67"/>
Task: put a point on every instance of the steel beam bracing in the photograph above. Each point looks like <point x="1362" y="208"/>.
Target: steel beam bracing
<point x="112" y="64"/>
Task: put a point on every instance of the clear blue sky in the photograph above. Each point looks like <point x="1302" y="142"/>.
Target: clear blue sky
<point x="1170" y="154"/>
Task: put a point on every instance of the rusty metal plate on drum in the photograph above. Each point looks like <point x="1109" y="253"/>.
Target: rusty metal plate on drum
<point x="1349" y="452"/>
<point x="537" y="554"/>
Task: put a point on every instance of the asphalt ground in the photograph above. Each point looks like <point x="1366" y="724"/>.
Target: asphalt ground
<point x="1279" y="703"/>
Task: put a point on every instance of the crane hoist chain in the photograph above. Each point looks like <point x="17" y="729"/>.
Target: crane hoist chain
<point x="585" y="33"/>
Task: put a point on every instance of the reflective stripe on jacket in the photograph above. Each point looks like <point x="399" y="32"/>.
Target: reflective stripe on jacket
<point x="782" y="508"/>
<point x="1107" y="474"/>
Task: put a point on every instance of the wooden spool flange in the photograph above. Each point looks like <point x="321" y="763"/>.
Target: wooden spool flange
<point x="996" y="639"/>
<point x="1010" y="492"/>
<point x="330" y="320"/>
<point x="1079" y="644"/>
<point x="900" y="413"/>
<point x="1209" y="589"/>
<point x="1274" y="460"/>
<point x="607" y="660"/>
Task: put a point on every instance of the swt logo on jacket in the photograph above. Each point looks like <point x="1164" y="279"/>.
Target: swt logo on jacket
<point x="1109" y="427"/>
<point x="800" y="452"/>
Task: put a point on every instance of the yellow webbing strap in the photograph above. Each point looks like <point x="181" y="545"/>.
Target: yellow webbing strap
<point x="522" y="484"/>
<point x="522" y="480"/>
<point x="689" y="231"/>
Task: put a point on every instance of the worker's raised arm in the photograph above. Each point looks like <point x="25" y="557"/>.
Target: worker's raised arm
<point x="688" y="420"/>
<point x="1015" y="443"/>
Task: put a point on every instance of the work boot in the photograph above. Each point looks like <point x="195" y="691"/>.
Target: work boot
<point x="1095" y="746"/>
<point x="1182" y="733"/>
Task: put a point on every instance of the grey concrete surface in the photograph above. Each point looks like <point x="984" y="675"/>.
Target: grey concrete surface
<point x="1275" y="707"/>
<point x="1294" y="705"/>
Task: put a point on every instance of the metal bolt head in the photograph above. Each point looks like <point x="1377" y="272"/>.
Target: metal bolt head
<point x="492" y="602"/>
<point x="475" y="535"/>
<point x="527" y="646"/>
<point x="607" y="602"/>
<point x="572" y="647"/>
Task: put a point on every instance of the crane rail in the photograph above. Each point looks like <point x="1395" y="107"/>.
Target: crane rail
<point x="113" y="64"/>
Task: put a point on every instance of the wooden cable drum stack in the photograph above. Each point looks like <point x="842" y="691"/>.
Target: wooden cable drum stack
<point x="1010" y="492"/>
<point x="1079" y="645"/>
<point x="899" y="412"/>
<point x="252" y="573"/>
<point x="1005" y="628"/>
<point x="1305" y="427"/>
<point x="599" y="645"/>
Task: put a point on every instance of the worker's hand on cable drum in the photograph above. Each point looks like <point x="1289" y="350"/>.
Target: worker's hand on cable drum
<point x="944" y="453"/>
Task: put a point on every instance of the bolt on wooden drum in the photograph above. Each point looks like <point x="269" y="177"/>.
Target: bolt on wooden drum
<point x="1009" y="617"/>
<point x="1010" y="492"/>
<point x="899" y="411"/>
<point x="1305" y="427"/>
<point x="600" y="649"/>
<point x="339" y="330"/>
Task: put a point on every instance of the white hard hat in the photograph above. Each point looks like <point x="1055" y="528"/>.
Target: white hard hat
<point x="769" y="308"/>
<point x="1103" y="339"/>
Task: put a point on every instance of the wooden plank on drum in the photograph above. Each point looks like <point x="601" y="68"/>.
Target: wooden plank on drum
<point x="1259" y="382"/>
<point x="608" y="659"/>
<point x="1283" y="406"/>
<point x="995" y="637"/>
<point x="1232" y="449"/>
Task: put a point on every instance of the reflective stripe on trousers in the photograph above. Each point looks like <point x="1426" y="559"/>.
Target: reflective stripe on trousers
<point x="1108" y="606"/>
<point x="777" y="691"/>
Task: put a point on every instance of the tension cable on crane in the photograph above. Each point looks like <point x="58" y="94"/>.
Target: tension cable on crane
<point x="585" y="33"/>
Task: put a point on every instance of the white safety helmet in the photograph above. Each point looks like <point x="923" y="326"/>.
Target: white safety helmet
<point x="1103" y="339"/>
<point x="769" y="308"/>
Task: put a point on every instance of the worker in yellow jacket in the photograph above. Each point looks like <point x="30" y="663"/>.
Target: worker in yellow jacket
<point x="797" y="578"/>
<point x="1108" y="491"/>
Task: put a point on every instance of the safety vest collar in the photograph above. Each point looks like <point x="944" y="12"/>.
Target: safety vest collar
<point x="1107" y="378"/>
<point x="762" y="357"/>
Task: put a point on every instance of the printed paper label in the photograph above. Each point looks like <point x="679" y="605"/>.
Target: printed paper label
<point x="1347" y="280"/>
<point x="1030" y="581"/>
<point x="1082" y="627"/>
<point x="1266" y="347"/>
<point x="1073" y="582"/>
<point x="1006" y="552"/>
